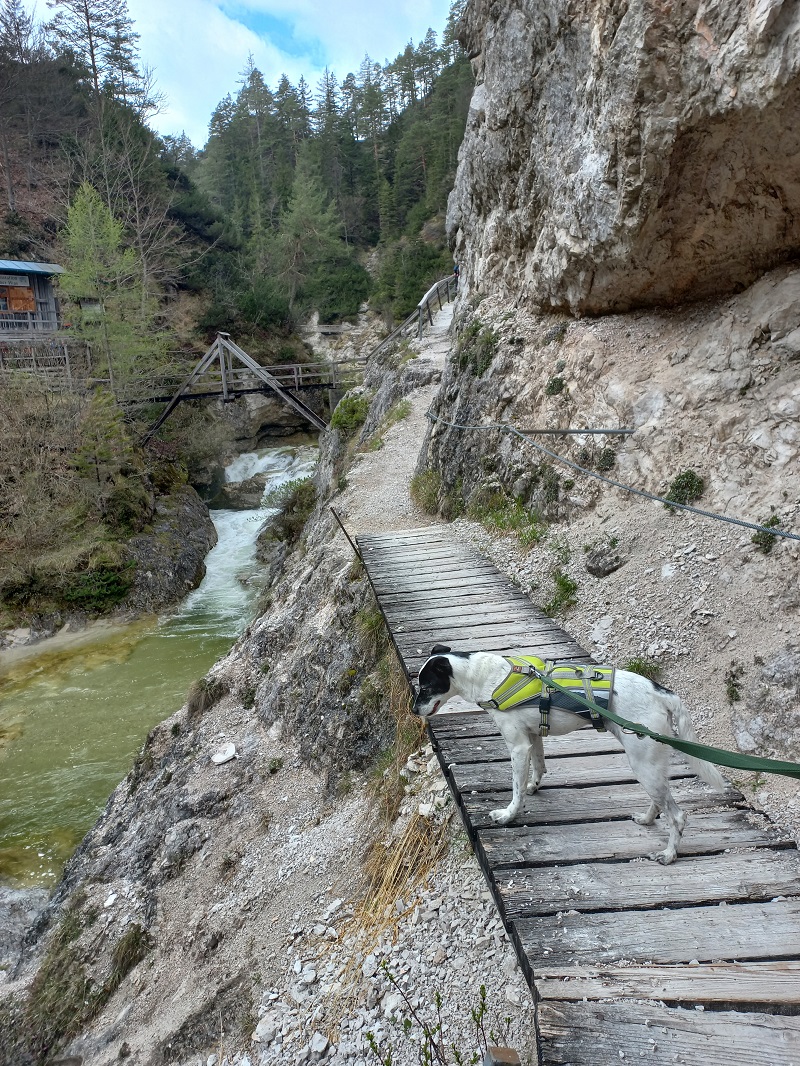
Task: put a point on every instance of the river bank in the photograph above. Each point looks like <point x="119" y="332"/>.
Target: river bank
<point x="74" y="709"/>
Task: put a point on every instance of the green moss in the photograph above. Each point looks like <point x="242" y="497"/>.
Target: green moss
<point x="554" y="386"/>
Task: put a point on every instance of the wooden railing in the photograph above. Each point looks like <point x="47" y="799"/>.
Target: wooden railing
<point x="422" y="313"/>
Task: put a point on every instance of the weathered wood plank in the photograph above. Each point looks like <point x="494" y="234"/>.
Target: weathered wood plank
<point x="516" y="610"/>
<point x="705" y="833"/>
<point x="413" y="564"/>
<point x="598" y="1034"/>
<point x="597" y="886"/>
<point x="475" y="640"/>
<point x="468" y="630"/>
<point x="467" y="597"/>
<point x="605" y="803"/>
<point x="488" y="582"/>
<point x="414" y="657"/>
<point x="577" y="772"/>
<point x="494" y="749"/>
<point x="771" y="983"/>
<point x="455" y="747"/>
<point x="738" y="931"/>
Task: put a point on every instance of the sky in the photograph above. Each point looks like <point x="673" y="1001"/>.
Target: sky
<point x="198" y="48"/>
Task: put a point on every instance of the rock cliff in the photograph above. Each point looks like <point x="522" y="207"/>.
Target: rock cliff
<point x="622" y="153"/>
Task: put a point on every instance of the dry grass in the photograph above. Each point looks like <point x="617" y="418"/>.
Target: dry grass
<point x="401" y="853"/>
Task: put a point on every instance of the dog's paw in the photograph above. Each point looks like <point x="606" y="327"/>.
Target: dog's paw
<point x="664" y="857"/>
<point x="501" y="817"/>
<point x="642" y="819"/>
<point x="533" y="786"/>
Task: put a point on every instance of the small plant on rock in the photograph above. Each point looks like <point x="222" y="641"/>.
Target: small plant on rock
<point x="763" y="540"/>
<point x="686" y="487"/>
<point x="640" y="664"/>
<point x="554" y="386"/>
<point x="564" y="597"/>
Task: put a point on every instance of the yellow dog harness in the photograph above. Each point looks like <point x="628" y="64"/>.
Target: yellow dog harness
<point x="528" y="683"/>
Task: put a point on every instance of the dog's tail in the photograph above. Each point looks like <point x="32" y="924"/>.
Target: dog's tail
<point x="684" y="728"/>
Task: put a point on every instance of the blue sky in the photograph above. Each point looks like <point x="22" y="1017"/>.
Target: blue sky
<point x="198" y="48"/>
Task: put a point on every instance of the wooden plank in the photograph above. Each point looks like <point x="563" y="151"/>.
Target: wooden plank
<point x="518" y="611"/>
<point x="479" y="582"/>
<point x="582" y="742"/>
<point x="570" y="652"/>
<point x="705" y="833"/>
<point x="469" y="628"/>
<point x="761" y="874"/>
<point x="494" y="749"/>
<point x="577" y="772"/>
<point x="468" y="597"/>
<point x="475" y="640"/>
<point x="739" y="931"/>
<point x="771" y="983"/>
<point x="598" y="1034"/>
<point x="415" y="565"/>
<point x="605" y="803"/>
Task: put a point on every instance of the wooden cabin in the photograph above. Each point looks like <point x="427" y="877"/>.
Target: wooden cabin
<point x="28" y="304"/>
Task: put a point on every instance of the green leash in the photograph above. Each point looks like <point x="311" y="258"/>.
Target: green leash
<point x="689" y="747"/>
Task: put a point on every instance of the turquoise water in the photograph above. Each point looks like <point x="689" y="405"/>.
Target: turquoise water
<point x="73" y="718"/>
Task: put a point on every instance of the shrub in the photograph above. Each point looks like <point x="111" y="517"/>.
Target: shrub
<point x="554" y="386"/>
<point x="202" y="695"/>
<point x="294" y="501"/>
<point x="350" y="415"/>
<point x="606" y="460"/>
<point x="476" y="348"/>
<point x="99" y="589"/>
<point x="764" y="541"/>
<point x="686" y="487"/>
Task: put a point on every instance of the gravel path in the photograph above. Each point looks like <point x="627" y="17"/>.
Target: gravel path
<point x="377" y="496"/>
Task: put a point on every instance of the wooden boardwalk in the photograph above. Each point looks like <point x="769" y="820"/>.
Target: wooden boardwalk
<point x="695" y="963"/>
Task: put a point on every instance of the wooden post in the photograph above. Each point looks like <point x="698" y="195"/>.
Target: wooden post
<point x="439" y="297"/>
<point x="222" y="362"/>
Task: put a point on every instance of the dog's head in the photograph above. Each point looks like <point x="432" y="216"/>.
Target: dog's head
<point x="435" y="683"/>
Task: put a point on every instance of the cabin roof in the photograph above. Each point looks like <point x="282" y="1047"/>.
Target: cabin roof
<point x="17" y="266"/>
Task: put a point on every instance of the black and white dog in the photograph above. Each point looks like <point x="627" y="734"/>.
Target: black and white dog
<point x="476" y="675"/>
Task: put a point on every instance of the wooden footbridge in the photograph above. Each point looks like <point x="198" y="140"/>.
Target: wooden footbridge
<point x="628" y="961"/>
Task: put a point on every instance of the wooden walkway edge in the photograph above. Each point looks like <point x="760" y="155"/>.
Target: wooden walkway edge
<point x="695" y="963"/>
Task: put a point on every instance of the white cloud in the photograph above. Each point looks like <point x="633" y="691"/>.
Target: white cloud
<point x="199" y="47"/>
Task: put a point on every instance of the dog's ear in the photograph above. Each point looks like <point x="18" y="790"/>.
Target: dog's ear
<point x="439" y="649"/>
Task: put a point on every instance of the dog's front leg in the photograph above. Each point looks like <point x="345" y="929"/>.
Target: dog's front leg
<point x="538" y="769"/>
<point x="520" y="763"/>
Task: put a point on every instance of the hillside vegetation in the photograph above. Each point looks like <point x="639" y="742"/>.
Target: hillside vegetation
<point x="164" y="244"/>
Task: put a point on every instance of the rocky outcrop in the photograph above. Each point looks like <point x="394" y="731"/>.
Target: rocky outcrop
<point x="715" y="389"/>
<point x="170" y="557"/>
<point x="624" y="153"/>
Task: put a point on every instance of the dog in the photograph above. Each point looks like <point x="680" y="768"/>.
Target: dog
<point x="477" y="675"/>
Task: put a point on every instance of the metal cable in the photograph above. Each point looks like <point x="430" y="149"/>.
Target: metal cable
<point x="504" y="427"/>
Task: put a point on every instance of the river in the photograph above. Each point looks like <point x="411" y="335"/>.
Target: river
<point x="73" y="717"/>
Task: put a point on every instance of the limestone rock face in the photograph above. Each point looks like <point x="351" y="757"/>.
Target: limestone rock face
<point x="621" y="153"/>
